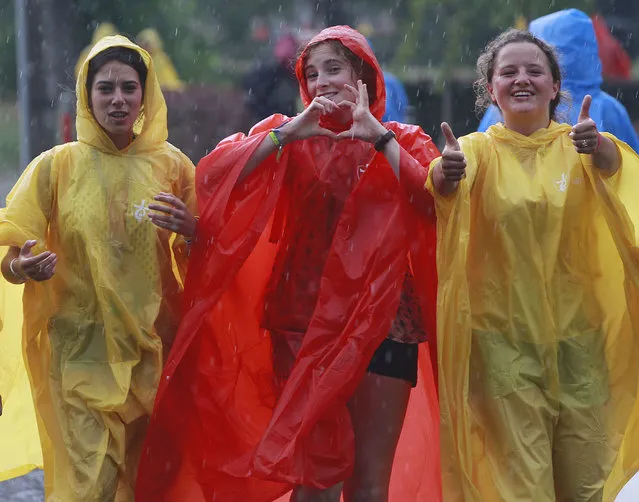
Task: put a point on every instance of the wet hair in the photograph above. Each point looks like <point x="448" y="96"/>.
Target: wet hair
<point x="363" y="71"/>
<point x="124" y="55"/>
<point x="488" y="58"/>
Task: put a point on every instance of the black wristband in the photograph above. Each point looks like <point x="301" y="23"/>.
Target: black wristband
<point x="383" y="139"/>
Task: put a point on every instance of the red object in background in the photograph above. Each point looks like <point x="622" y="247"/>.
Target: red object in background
<point x="615" y="62"/>
<point x="65" y="123"/>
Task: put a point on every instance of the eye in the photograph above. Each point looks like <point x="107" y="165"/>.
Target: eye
<point x="130" y="87"/>
<point x="334" y="69"/>
<point x="311" y="75"/>
<point x="104" y="88"/>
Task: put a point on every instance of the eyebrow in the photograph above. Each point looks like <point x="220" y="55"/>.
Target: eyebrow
<point x="514" y="65"/>
<point x="111" y="82"/>
<point x="324" y="63"/>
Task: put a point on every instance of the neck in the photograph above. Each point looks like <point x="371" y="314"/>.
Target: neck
<point x="121" y="141"/>
<point x="526" y="125"/>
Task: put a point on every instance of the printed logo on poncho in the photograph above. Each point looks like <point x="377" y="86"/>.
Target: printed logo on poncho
<point x="141" y="210"/>
<point x="562" y="183"/>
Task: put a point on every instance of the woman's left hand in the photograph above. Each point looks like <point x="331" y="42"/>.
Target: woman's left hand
<point x="365" y="126"/>
<point x="174" y="217"/>
<point x="584" y="134"/>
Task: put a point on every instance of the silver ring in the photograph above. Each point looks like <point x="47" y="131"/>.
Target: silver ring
<point x="584" y="143"/>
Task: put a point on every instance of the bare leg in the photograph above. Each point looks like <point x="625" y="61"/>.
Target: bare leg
<point x="377" y="411"/>
<point x="308" y="494"/>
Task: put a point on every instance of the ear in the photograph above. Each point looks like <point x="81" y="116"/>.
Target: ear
<point x="555" y="89"/>
<point x="489" y="87"/>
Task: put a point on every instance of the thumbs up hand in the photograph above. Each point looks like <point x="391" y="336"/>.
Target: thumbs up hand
<point x="585" y="135"/>
<point x="453" y="163"/>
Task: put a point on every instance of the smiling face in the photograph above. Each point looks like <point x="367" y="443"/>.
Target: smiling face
<point x="116" y="99"/>
<point x="327" y="72"/>
<point x="523" y="87"/>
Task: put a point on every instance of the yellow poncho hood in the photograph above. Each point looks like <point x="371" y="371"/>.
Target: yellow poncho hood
<point x="150" y="128"/>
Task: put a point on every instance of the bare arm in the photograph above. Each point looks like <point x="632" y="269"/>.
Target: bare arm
<point x="305" y="125"/>
<point x="6" y="261"/>
<point x="606" y="158"/>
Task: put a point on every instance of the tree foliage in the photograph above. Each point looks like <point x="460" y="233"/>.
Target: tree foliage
<point x="451" y="33"/>
<point x="206" y="39"/>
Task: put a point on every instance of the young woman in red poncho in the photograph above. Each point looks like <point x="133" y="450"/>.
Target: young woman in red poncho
<point x="295" y="362"/>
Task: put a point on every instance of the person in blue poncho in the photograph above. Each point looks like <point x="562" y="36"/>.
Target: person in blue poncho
<point x="396" y="99"/>
<point x="572" y="34"/>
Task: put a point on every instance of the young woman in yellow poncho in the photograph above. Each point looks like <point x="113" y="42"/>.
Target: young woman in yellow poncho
<point x="98" y="232"/>
<point x="538" y="317"/>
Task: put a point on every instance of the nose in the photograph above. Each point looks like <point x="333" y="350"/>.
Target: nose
<point x="118" y="96"/>
<point x="522" y="77"/>
<point x="322" y="79"/>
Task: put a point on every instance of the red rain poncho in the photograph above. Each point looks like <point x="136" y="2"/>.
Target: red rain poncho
<point x="222" y="430"/>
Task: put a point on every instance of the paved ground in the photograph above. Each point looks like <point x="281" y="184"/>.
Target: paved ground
<point x="29" y="488"/>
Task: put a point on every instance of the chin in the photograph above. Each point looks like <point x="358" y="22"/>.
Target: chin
<point x="524" y="110"/>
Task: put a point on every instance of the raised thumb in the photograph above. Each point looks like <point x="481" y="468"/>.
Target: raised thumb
<point x="451" y="140"/>
<point x="584" y="113"/>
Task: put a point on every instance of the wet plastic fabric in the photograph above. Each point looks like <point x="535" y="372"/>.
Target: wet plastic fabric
<point x="538" y="322"/>
<point x="94" y="333"/>
<point x="572" y="34"/>
<point x="221" y="429"/>
<point x="20" y="450"/>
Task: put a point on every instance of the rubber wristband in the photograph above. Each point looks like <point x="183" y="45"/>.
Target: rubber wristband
<point x="383" y="140"/>
<point x="278" y="143"/>
<point x="22" y="278"/>
<point x="275" y="139"/>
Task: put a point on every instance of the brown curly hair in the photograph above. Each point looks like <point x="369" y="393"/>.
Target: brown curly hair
<point x="486" y="67"/>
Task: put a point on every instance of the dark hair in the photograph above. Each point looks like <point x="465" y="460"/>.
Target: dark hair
<point x="124" y="55"/>
<point x="486" y="66"/>
<point x="363" y="71"/>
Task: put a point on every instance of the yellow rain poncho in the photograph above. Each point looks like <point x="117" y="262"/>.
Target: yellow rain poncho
<point x="94" y="333"/>
<point x="538" y="322"/>
<point x="168" y="76"/>
<point x="20" y="450"/>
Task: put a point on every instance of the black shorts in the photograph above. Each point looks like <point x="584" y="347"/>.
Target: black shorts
<point x="396" y="360"/>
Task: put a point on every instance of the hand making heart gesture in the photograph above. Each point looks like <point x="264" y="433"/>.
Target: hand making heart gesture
<point x="365" y="126"/>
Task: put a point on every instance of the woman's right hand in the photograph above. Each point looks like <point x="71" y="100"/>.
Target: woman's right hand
<point x="40" y="267"/>
<point x="452" y="166"/>
<point x="306" y="124"/>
